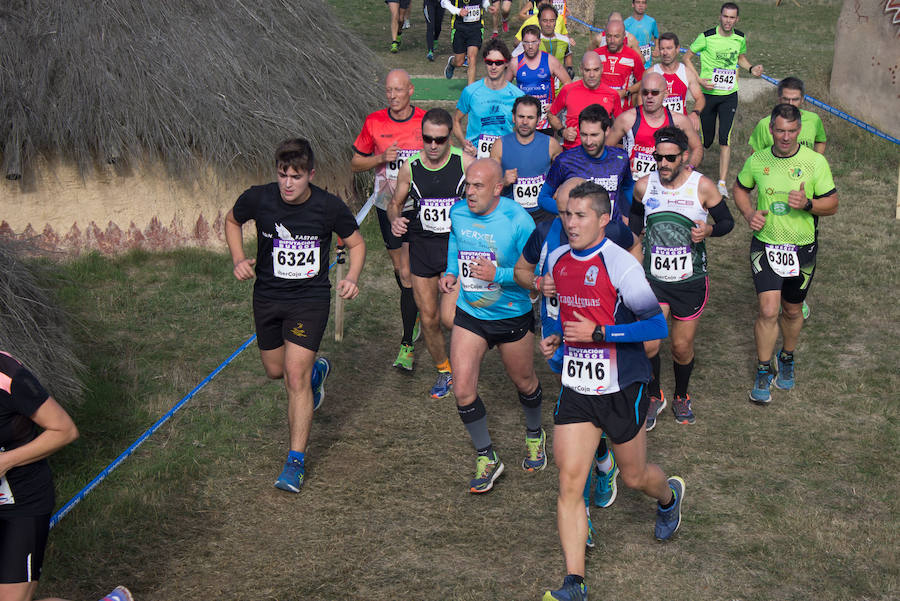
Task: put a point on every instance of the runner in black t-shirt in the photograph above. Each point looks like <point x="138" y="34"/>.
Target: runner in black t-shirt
<point x="26" y="484"/>
<point x="291" y="296"/>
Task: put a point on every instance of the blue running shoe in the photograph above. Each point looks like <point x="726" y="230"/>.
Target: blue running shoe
<point x="657" y="404"/>
<point x="785" y="378"/>
<point x="291" y="478"/>
<point x="570" y="591"/>
<point x="321" y="369"/>
<point x="590" y="537"/>
<point x="536" y="449"/>
<point x="442" y="386"/>
<point x="450" y="68"/>
<point x="668" y="520"/>
<point x="486" y="471"/>
<point x="120" y="593"/>
<point x="760" y="393"/>
<point x="681" y="407"/>
<point x="606" y="489"/>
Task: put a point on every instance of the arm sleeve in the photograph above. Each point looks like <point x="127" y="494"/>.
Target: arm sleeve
<point x="532" y="250"/>
<point x="524" y="228"/>
<point x="820" y="130"/>
<point x="448" y="6"/>
<point x="559" y="103"/>
<point x="364" y="143"/>
<point x="619" y="234"/>
<point x="625" y="192"/>
<point x="463" y="103"/>
<point x="545" y="197"/>
<point x="344" y="221"/>
<point x="722" y="216"/>
<point x="452" y="254"/>
<point x="654" y="328"/>
<point x="26" y="393"/>
<point x="823" y="184"/>
<point x="636" y="220"/>
<point x="760" y="136"/>
<point x="638" y="67"/>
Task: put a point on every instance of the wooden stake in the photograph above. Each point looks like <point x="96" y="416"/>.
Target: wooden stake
<point x="338" y="301"/>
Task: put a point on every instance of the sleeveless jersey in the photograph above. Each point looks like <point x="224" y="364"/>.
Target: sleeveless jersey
<point x="538" y="83"/>
<point x="433" y="192"/>
<point x="499" y="237"/>
<point x="669" y="215"/>
<point x="380" y="131"/>
<point x="676" y="88"/>
<point x="531" y="161"/>
<point x="640" y="145"/>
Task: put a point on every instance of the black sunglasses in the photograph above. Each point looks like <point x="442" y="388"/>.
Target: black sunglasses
<point x="436" y="139"/>
<point x="488" y="61"/>
<point x="669" y="157"/>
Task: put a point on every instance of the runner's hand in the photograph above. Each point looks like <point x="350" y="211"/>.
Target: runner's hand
<point x="548" y="286"/>
<point x="469" y="148"/>
<point x="483" y="270"/>
<point x="549" y="345"/>
<point x="347" y="289"/>
<point x="797" y="198"/>
<point x="700" y="232"/>
<point x="243" y="270"/>
<point x="398" y="226"/>
<point x="756" y="70"/>
<point x="580" y="330"/>
<point x="706" y="83"/>
<point x="758" y="220"/>
<point x="390" y="154"/>
<point x="447" y="283"/>
<point x="569" y="134"/>
<point x="510" y="177"/>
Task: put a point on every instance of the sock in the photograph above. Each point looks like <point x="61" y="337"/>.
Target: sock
<point x="670" y="503"/>
<point x="765" y="366"/>
<point x="444" y="367"/>
<point x="574" y="579"/>
<point x="408" y="312"/>
<point x="654" y="381"/>
<point x="296" y="456"/>
<point x="786" y="357"/>
<point x="605" y="462"/>
<point x="682" y="377"/>
<point x="602" y="449"/>
<point x="474" y="417"/>
<point x="531" y="405"/>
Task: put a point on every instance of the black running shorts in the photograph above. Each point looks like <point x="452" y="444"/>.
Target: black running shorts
<point x="428" y="255"/>
<point x="22" y="543"/>
<point x="620" y="414"/>
<point x="302" y="323"/>
<point x="686" y="300"/>
<point x="402" y="3"/>
<point x="793" y="289"/>
<point x="723" y="107"/>
<point x="391" y="242"/>
<point x="496" y="331"/>
<point x="466" y="35"/>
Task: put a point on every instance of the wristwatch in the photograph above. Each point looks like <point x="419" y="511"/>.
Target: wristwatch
<point x="809" y="205"/>
<point x="597" y="336"/>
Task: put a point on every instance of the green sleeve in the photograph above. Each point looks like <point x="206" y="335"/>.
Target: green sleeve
<point x="820" y="130"/>
<point x="745" y="177"/>
<point x="823" y="182"/>
<point x="761" y="137"/>
<point x="743" y="46"/>
<point x="699" y="44"/>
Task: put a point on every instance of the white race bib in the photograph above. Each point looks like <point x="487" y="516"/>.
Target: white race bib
<point x="724" y="79"/>
<point x="586" y="370"/>
<point x="671" y="263"/>
<point x="646" y="52"/>
<point x="642" y="164"/>
<point x="467" y="258"/>
<point x="674" y="104"/>
<point x="543" y="122"/>
<point x="295" y="259"/>
<point x="6" y="496"/>
<point x="434" y="214"/>
<point x="552" y="305"/>
<point x="473" y="13"/>
<point x="483" y="145"/>
<point x="559" y="5"/>
<point x="392" y="169"/>
<point x="783" y="259"/>
<point x="526" y="190"/>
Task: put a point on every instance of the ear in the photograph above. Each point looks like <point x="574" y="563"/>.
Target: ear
<point x="312" y="173"/>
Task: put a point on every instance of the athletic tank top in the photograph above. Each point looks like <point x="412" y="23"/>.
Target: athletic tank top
<point x="676" y="84"/>
<point x="669" y="215"/>
<point x="433" y="192"/>
<point x="538" y="83"/>
<point x="639" y="143"/>
<point x="532" y="161"/>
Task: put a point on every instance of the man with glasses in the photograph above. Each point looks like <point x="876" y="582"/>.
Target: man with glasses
<point x="635" y="128"/>
<point x="486" y="104"/>
<point x="670" y="206"/>
<point x="535" y="72"/>
<point x="555" y="40"/>
<point x="433" y="179"/>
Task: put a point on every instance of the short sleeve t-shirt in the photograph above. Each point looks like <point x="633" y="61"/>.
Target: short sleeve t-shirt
<point x="719" y="59"/>
<point x="775" y="177"/>
<point x="489" y="111"/>
<point x="26" y="490"/>
<point x="645" y="31"/>
<point x="293" y="244"/>
<point x="575" y="97"/>
<point x="811" y="131"/>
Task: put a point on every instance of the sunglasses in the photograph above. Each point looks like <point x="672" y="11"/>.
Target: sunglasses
<point x="669" y="157"/>
<point x="494" y="63"/>
<point x="435" y="139"/>
<point x="651" y="92"/>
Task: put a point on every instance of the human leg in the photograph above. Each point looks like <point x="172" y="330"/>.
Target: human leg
<point x="682" y="334"/>
<point x="426" y="293"/>
<point x="472" y="55"/>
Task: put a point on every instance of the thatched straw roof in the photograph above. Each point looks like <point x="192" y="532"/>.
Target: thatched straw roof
<point x="178" y="81"/>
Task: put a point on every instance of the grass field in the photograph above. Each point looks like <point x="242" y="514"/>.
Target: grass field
<point x="798" y="500"/>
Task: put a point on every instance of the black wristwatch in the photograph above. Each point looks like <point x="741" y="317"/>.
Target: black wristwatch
<point x="597" y="336"/>
<point x="809" y="205"/>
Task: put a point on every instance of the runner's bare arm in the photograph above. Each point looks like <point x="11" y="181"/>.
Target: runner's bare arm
<point x="234" y="237"/>
<point x="695" y="144"/>
<point x="558" y="71"/>
<point x="459" y="132"/>
<point x="348" y="287"/>
<point x="620" y="125"/>
<point x="395" y="206"/>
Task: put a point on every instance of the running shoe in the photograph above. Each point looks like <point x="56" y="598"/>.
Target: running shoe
<point x="465" y="62"/>
<point x="570" y="591"/>
<point x="760" y="393"/>
<point x="321" y="369"/>
<point x="486" y="471"/>
<point x="120" y="593"/>
<point x="448" y="70"/>
<point x="657" y="404"/>
<point x="605" y="490"/>
<point x="395" y="47"/>
<point x="430" y="57"/>
<point x="417" y="330"/>
<point x="668" y="520"/>
<point x="442" y="386"/>
<point x="785" y="378"/>
<point x="404" y="358"/>
<point x="590" y="536"/>
<point x="505" y="25"/>
<point x="536" y="453"/>
<point x="681" y="407"/>
<point x="723" y="189"/>
<point x="805" y="310"/>
<point x="406" y="24"/>
<point x="291" y="478"/>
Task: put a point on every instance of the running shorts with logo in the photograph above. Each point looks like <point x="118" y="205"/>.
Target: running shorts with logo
<point x="619" y="414"/>
<point x="719" y="63"/>
<point x="489" y="113"/>
<point x="811" y="131"/>
<point x="498" y="237"/>
<point x="783" y="252"/>
<point x="645" y="31"/>
<point x="611" y="170"/>
<point x="575" y="97"/>
<point x="277" y="322"/>
<point x="722" y="108"/>
<point x="433" y="192"/>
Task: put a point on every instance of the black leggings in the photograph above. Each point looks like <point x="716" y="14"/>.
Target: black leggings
<point x="434" y="16"/>
<point x="723" y="107"/>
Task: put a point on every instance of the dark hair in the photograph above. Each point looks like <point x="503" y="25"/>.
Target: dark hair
<point x="495" y="44"/>
<point x="785" y="111"/>
<point x="595" y="113"/>
<point x="731" y="5"/>
<point x="533" y="30"/>
<point x="596" y="193"/>
<point x="547" y="6"/>
<point x="671" y="135"/>
<point x="296" y="153"/>
<point x="791" y="83"/>
<point x="530" y="100"/>
<point x="669" y="36"/>
<point x="438" y="116"/>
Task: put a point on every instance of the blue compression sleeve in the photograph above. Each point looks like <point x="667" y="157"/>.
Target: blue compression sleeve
<point x="654" y="328"/>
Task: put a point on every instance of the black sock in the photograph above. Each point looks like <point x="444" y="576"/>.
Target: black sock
<point x="601" y="448"/>
<point x="654" y="380"/>
<point x="786" y="357"/>
<point x="487" y="451"/>
<point x="670" y="503"/>
<point x="682" y="377"/>
<point x="765" y="366"/>
<point x="408" y="312"/>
